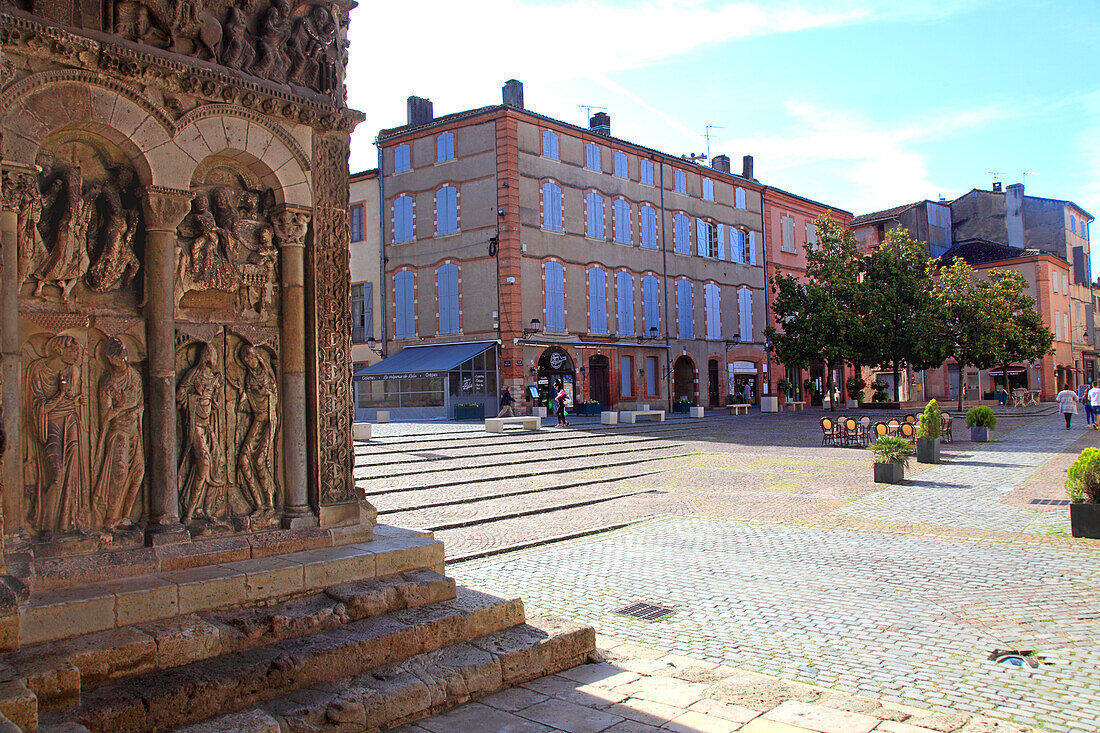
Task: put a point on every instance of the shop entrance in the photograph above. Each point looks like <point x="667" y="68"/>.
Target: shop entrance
<point x="556" y="365"/>
<point x="683" y="379"/>
<point x="599" y="387"/>
<point x="712" y="383"/>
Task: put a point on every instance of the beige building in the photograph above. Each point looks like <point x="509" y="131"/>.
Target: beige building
<point x="567" y="254"/>
<point x="367" y="333"/>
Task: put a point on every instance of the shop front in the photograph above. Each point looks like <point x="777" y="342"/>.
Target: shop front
<point x="555" y="366"/>
<point x="744" y="382"/>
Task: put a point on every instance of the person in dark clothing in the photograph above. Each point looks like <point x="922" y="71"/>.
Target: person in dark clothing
<point x="506" y="402"/>
<point x="559" y="404"/>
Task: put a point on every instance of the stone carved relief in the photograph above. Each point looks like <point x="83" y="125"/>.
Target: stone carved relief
<point x="120" y="452"/>
<point x="181" y="26"/>
<point x="228" y="401"/>
<point x="227" y="248"/>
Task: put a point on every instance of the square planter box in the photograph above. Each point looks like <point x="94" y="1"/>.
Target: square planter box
<point x="769" y="403"/>
<point x="695" y="412"/>
<point x="585" y="408"/>
<point x="609" y="418"/>
<point x="538" y="412"/>
<point x="928" y="450"/>
<point x="1084" y="520"/>
<point x="979" y="435"/>
<point x="469" y="413"/>
<point x="681" y="407"/>
<point x="889" y="473"/>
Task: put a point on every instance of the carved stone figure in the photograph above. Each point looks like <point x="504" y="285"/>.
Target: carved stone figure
<point x="238" y="51"/>
<point x="116" y="264"/>
<point x="273" y="62"/>
<point x="29" y="202"/>
<point x="181" y="26"/>
<point x="257" y="408"/>
<point x="54" y="430"/>
<point x="200" y="457"/>
<point x="68" y="259"/>
<point x="120" y="454"/>
<point x="259" y="273"/>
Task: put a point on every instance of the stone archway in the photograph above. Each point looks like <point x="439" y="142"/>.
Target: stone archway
<point x="683" y="378"/>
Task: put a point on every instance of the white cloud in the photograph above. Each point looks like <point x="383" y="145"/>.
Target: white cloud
<point x="459" y="54"/>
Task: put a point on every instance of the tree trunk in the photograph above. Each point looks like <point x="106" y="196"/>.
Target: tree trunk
<point x="829" y="385"/>
<point x="962" y="385"/>
<point x="897" y="387"/>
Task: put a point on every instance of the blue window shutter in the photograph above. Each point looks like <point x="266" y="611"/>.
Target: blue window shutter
<point x="551" y="206"/>
<point x="403" y="219"/>
<point x="752" y="248"/>
<point x="401" y="159"/>
<point x="446" y="210"/>
<point x="447" y="288"/>
<point x="721" y="241"/>
<point x="684" y="318"/>
<point x="624" y="293"/>
<point x="403" y="304"/>
<point x="444" y="147"/>
<point x="647" y="172"/>
<point x="700" y="238"/>
<point x="554" y="275"/>
<point x="744" y="304"/>
<point x="679" y="182"/>
<point x="550" y="144"/>
<point x="739" y="198"/>
<point x="650" y="307"/>
<point x="708" y="189"/>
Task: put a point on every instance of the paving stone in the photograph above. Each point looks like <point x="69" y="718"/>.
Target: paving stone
<point x="694" y="722"/>
<point x="514" y="698"/>
<point x="478" y="718"/>
<point x="734" y="713"/>
<point x="820" y="718"/>
<point x="569" y="717"/>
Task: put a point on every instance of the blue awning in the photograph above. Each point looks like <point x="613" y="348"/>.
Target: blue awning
<point x="417" y="362"/>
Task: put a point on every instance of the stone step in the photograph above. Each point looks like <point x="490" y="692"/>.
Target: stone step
<point x="421" y="686"/>
<point x="545" y="466"/>
<point x="59" y="672"/>
<point x="59" y="613"/>
<point x="415" y="456"/>
<point x="235" y="680"/>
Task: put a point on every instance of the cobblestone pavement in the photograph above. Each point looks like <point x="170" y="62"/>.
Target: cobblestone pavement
<point x="782" y="557"/>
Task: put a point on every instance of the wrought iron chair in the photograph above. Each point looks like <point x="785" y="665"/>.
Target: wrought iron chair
<point x="908" y="431"/>
<point x="828" y="432"/>
<point x="894" y="426"/>
<point x="880" y="430"/>
<point x="946" y="423"/>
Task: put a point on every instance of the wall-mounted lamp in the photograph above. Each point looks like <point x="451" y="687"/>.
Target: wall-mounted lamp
<point x="372" y="344"/>
<point x="536" y="326"/>
<point x="732" y="343"/>
<point x="653" y="334"/>
<point x="582" y="370"/>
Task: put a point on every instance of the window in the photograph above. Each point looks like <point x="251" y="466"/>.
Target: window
<point x="739" y="198"/>
<point x="714" y="312"/>
<point x="403" y="219"/>
<point x="651" y="308"/>
<point x="647" y="172"/>
<point x="404" y="305"/>
<point x="750" y="249"/>
<point x="593" y="207"/>
<point x="1073" y="223"/>
<point x="788" y="234"/>
<point x="622" y="221"/>
<point x="362" y="313"/>
<point x="1054" y="282"/>
<point x="811" y="235"/>
<point x="597" y="301"/>
<point x="402" y="159"/>
<point x="357" y="223"/>
<point x="446" y="282"/>
<point x="685" y="322"/>
<point x="679" y="182"/>
<point x="648" y="216"/>
<point x="1065" y="284"/>
<point x="1057" y="325"/>
<point x="624" y="298"/>
<point x="682" y="233"/>
<point x="744" y="308"/>
<point x="446" y="210"/>
<point x="708" y="189"/>
<point x="737" y="245"/>
<point x="554" y="275"/>
<point x="626" y="376"/>
<point x="550" y="145"/>
<point x="706" y="239"/>
<point x="445" y="147"/>
<point x="551" y="206"/>
<point x="651" y="376"/>
<point x="620" y="164"/>
<point x="720" y="234"/>
<point x="592" y="156"/>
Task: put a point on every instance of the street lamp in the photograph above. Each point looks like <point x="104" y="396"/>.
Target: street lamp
<point x="536" y="326"/>
<point x="653" y="334"/>
<point x="372" y="344"/>
<point x="732" y="343"/>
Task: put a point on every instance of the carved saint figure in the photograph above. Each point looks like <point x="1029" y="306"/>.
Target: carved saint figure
<point x="257" y="404"/>
<point x="273" y="62"/>
<point x="259" y="273"/>
<point x="204" y="248"/>
<point x="68" y="258"/>
<point x="54" y="427"/>
<point x="228" y="220"/>
<point x="32" y="250"/>
<point x="200" y="461"/>
<point x="117" y="264"/>
<point x="237" y="45"/>
<point x="120" y="455"/>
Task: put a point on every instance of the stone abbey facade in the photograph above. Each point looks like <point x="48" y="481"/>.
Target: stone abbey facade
<point x="175" y="243"/>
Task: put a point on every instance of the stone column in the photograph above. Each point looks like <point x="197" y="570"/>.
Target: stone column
<point x="290" y="231"/>
<point x="164" y="210"/>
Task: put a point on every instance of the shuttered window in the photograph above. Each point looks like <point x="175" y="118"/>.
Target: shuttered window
<point x="624" y="297"/>
<point x="648" y="216"/>
<point x="626" y="376"/>
<point x="446" y="210"/>
<point x="592" y="156"/>
<point x="403" y="219"/>
<point x="739" y="198"/>
<point x="446" y="278"/>
<point x="750" y="255"/>
<point x="620" y="164"/>
<point x="788" y="234"/>
<point x="646" y="168"/>
<point x="404" y="305"/>
<point x="622" y="221"/>
<point x="679" y="182"/>
<point x="554" y="275"/>
<point x="744" y="307"/>
<point x="714" y="311"/>
<point x="593" y="206"/>
<point x="651" y="376"/>
<point x="362" y="312"/>
<point x="402" y="159"/>
<point x="445" y="147"/>
<point x="701" y="238"/>
<point x="685" y="323"/>
<point x="550" y="144"/>
<point x="597" y="301"/>
<point x="651" y="306"/>
<point x="357" y="223"/>
<point x="708" y="189"/>
<point x="681" y="233"/>
<point x="737" y="245"/>
<point x="551" y="206"/>
<point x="721" y="236"/>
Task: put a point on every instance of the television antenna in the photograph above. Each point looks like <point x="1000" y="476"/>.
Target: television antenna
<point x="588" y="111"/>
<point x="1025" y="174"/>
<point x="996" y="175"/>
<point x="707" y="135"/>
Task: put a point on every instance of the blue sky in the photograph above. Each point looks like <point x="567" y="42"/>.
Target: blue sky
<point x="863" y="105"/>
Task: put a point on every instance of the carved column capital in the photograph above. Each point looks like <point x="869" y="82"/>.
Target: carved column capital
<point x="164" y="207"/>
<point x="290" y="225"/>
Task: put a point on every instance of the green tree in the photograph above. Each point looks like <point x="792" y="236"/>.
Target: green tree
<point x="1019" y="332"/>
<point x="821" y="316"/>
<point x="900" y="307"/>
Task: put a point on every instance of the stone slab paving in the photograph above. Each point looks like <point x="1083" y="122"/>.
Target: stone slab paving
<point x="633" y="689"/>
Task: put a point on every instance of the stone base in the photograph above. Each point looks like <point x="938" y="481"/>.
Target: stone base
<point x="336" y="638"/>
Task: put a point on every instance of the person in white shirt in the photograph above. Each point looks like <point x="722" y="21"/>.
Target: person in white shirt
<point x="1093" y="398"/>
<point x="1067" y="403"/>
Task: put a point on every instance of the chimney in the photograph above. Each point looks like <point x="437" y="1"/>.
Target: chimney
<point x="746" y="167"/>
<point x="600" y="123"/>
<point x="996" y="187"/>
<point x="420" y="111"/>
<point x="720" y="163"/>
<point x="513" y="93"/>
<point x="1014" y="214"/>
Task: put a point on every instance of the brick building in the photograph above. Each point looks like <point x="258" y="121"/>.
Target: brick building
<point x="366" y="275"/>
<point x="555" y="251"/>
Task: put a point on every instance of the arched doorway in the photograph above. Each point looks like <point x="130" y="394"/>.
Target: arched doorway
<point x="599" y="385"/>
<point x="683" y="379"/>
<point x="713" y="393"/>
<point x="745" y="384"/>
<point x="555" y="364"/>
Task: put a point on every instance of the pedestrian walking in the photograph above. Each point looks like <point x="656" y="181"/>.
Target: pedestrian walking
<point x="1067" y="403"/>
<point x="1093" y="404"/>
<point x="559" y="404"/>
<point x="506" y="402"/>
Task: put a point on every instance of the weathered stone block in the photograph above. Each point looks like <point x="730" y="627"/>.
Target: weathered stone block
<point x="56" y="614"/>
<point x="143" y="599"/>
<point x="209" y="587"/>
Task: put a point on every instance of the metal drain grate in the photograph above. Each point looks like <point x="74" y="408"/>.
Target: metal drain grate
<point x="1050" y="502"/>
<point x="1015" y="658"/>
<point x="646" y="611"/>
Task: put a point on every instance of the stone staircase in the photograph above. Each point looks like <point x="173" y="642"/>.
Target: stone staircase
<point x="357" y="637"/>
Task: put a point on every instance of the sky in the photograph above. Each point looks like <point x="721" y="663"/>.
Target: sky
<point x="861" y="105"/>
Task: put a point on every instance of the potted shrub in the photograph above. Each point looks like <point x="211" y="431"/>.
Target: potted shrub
<point x="855" y="386"/>
<point x="891" y="458"/>
<point x="1083" y="485"/>
<point x="469" y="411"/>
<point x="682" y="405"/>
<point x="980" y="419"/>
<point x="929" y="430"/>
<point x="784" y="386"/>
<point x="590" y="407"/>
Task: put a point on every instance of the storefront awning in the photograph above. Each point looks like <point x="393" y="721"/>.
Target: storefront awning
<point x="1011" y="371"/>
<point x="417" y="362"/>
